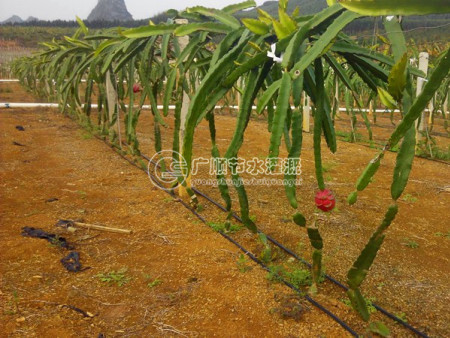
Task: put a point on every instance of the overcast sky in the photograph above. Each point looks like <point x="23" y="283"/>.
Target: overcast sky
<point x="68" y="9"/>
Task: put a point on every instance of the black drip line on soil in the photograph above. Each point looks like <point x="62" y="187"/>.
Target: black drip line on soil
<point x="272" y="240"/>
<point x="239" y="246"/>
<point x="285" y="249"/>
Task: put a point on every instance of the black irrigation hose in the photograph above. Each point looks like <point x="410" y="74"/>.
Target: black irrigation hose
<point x="293" y="287"/>
<point x="275" y="242"/>
<point x="330" y="278"/>
<point x="293" y="254"/>
<point x="245" y="251"/>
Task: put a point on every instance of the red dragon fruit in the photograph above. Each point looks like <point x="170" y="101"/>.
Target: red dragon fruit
<point x="137" y="88"/>
<point x="325" y="200"/>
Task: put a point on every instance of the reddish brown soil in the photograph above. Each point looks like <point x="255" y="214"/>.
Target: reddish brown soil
<point x="204" y="291"/>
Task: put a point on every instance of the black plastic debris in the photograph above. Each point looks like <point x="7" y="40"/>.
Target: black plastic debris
<point x="18" y="144"/>
<point x="72" y="262"/>
<point x="20" y="128"/>
<point x="84" y="313"/>
<point x="50" y="200"/>
<point x="64" y="223"/>
<point x="52" y="238"/>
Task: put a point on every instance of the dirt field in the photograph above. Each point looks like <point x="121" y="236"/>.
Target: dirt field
<point x="205" y="288"/>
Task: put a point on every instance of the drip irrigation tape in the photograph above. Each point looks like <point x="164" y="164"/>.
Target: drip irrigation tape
<point x="275" y="242"/>
<point x="294" y="255"/>
<point x="330" y="278"/>
<point x="245" y="251"/>
<point x="293" y="287"/>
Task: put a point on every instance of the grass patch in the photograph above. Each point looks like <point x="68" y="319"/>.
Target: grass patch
<point x="349" y="137"/>
<point x="118" y="277"/>
<point x="409" y="198"/>
<point x="410" y="244"/>
<point x="224" y="227"/>
<point x="152" y="283"/>
<point x="441" y="234"/>
<point x="328" y="166"/>
<point x="369" y="303"/>
<point x="243" y="263"/>
<point x="402" y="316"/>
<point x="297" y="276"/>
<point x="87" y="136"/>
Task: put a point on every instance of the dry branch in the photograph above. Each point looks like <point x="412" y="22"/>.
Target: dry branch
<point x="68" y="223"/>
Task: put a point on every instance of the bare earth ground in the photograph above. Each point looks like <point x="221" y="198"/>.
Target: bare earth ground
<point x="203" y="290"/>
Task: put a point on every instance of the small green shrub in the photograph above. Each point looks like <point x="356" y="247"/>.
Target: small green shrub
<point x="369" y="303"/>
<point x="224" y="227"/>
<point x="410" y="244"/>
<point x="118" y="277"/>
<point x="242" y="263"/>
<point x="409" y="198"/>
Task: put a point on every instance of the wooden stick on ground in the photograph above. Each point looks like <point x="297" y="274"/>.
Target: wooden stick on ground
<point x="101" y="228"/>
<point x="93" y="226"/>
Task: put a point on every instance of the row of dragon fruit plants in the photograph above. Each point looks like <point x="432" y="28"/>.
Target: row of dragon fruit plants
<point x="278" y="61"/>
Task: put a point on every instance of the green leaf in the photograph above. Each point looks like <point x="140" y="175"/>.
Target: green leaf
<point x="358" y="303"/>
<point x="280" y="118"/>
<point x="396" y="37"/>
<point x="299" y="219"/>
<point x="386" y="98"/>
<point x="146" y="31"/>
<point x="78" y="43"/>
<point x="231" y="9"/>
<point x="264" y="16"/>
<point x="369" y="172"/>
<point x="398" y="7"/>
<point x="82" y="26"/>
<point x="287" y="21"/>
<point x="403" y="164"/>
<point x="360" y="268"/>
<point x="199" y="101"/>
<point x="224" y="46"/>
<point x="105" y="44"/>
<point x="214" y="27"/>
<point x="379" y="328"/>
<point x="351" y="199"/>
<point x="280" y="30"/>
<point x="256" y="26"/>
<point x="267" y="96"/>
<point x="303" y="33"/>
<point x="322" y="43"/>
<point x="221" y="16"/>
<point x="397" y="79"/>
<point x="431" y="86"/>
<point x="251" y="63"/>
<point x="282" y="4"/>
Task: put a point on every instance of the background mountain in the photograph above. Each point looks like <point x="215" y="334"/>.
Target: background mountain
<point x="110" y="10"/>
<point x="14" y="19"/>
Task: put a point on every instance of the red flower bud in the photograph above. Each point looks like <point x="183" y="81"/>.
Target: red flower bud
<point x="137" y="88"/>
<point x="325" y="200"/>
